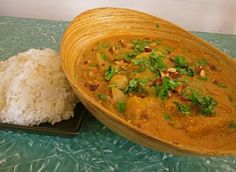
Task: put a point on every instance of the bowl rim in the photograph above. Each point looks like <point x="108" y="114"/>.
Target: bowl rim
<point x="179" y="147"/>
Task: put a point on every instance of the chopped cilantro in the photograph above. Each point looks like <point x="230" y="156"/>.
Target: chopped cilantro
<point x="154" y="63"/>
<point x="221" y="84"/>
<point x="133" y="86"/>
<point x="142" y="62"/>
<point x="166" y="86"/>
<point x="162" y="91"/>
<point x="206" y="104"/>
<point x="186" y="80"/>
<point x="183" y="108"/>
<point x="102" y="96"/>
<point x="117" y="46"/>
<point x="139" y="45"/>
<point x="104" y="45"/>
<point x="180" y="62"/>
<point x="169" y="50"/>
<point x="109" y="73"/>
<point x="192" y="95"/>
<point x="183" y="67"/>
<point x="182" y="71"/>
<point x="133" y="82"/>
<point x="202" y="62"/>
<point x="143" y="81"/>
<point x="118" y="57"/>
<point x="155" y="42"/>
<point x="157" y="61"/>
<point x="173" y="84"/>
<point x="232" y="124"/>
<point x="104" y="57"/>
<point x="130" y="56"/>
<point x="121" y="107"/>
<point x="136" y="85"/>
<point x="166" y="116"/>
<point x="190" y="71"/>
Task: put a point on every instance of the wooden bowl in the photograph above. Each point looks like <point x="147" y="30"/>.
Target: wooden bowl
<point x="104" y="22"/>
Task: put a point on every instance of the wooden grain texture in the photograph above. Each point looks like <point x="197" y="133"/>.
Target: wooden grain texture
<point x="100" y="23"/>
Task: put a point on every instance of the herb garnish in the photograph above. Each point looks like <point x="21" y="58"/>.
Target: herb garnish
<point x="180" y="62"/>
<point x="104" y="57"/>
<point x="142" y="62"/>
<point x="202" y="62"/>
<point x="166" y="116"/>
<point x="221" y="84"/>
<point x="184" y="109"/>
<point x="190" y="72"/>
<point x="102" y="96"/>
<point x="109" y="73"/>
<point x="130" y="56"/>
<point x="121" y="107"/>
<point x="206" y="104"/>
<point x="104" y="45"/>
<point x="136" y="85"/>
<point x="232" y="124"/>
<point x="166" y="86"/>
<point x="157" y="61"/>
<point x="133" y="86"/>
<point x="139" y="47"/>
<point x="182" y="66"/>
<point x="169" y="50"/>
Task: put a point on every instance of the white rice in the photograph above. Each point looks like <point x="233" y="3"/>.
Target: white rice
<point x="34" y="89"/>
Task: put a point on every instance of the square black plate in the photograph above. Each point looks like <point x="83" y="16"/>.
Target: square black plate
<point x="68" y="127"/>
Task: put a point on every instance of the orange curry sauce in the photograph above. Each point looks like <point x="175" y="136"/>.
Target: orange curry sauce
<point x="174" y="92"/>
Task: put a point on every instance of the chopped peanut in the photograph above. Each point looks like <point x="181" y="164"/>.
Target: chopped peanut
<point x="122" y="42"/>
<point x="213" y="67"/>
<point x="173" y="70"/>
<point x="198" y="69"/>
<point x="174" y="75"/>
<point x="202" y="73"/>
<point x="147" y="49"/>
<point x="112" y="49"/>
<point x="164" y="74"/>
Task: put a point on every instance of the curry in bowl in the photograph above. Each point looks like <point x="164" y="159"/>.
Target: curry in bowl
<point x="162" y="86"/>
<point x="152" y="82"/>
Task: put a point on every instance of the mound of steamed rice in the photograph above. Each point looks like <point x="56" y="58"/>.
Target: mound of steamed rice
<point x="34" y="89"/>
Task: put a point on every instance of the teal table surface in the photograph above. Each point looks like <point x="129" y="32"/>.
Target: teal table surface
<point x="96" y="148"/>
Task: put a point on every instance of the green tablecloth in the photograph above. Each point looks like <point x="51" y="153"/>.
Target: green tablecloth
<point x="96" y="148"/>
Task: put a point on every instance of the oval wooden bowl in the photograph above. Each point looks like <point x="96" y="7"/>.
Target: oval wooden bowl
<point x="104" y="22"/>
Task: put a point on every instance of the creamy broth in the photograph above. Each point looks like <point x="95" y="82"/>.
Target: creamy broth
<point x="174" y="92"/>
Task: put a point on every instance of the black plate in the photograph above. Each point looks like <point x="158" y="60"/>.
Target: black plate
<point x="68" y="127"/>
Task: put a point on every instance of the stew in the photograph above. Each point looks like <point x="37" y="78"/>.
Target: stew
<point x="175" y="92"/>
